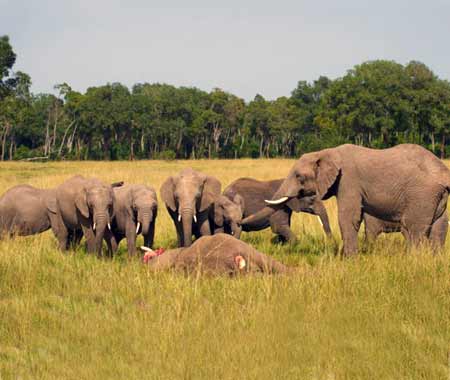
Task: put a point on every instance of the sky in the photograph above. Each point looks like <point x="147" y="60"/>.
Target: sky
<point x="246" y="47"/>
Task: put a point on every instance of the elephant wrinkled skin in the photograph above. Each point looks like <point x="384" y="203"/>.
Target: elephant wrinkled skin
<point x="405" y="184"/>
<point x="26" y="210"/>
<point x="189" y="198"/>
<point x="85" y="206"/>
<point x="253" y="193"/>
<point x="219" y="254"/>
<point x="135" y="211"/>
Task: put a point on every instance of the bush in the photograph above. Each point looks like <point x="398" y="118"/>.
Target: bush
<point x="168" y="155"/>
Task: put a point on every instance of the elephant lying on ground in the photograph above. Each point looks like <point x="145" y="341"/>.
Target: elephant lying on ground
<point x="251" y="194"/>
<point x="189" y="198"/>
<point x="135" y="211"/>
<point x="85" y="207"/>
<point x="406" y="184"/>
<point x="219" y="254"/>
<point x="374" y="227"/>
<point x="26" y="210"/>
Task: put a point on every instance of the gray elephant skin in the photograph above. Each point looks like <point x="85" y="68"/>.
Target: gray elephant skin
<point x="26" y="210"/>
<point x="85" y="207"/>
<point x="189" y="198"/>
<point x="135" y="212"/>
<point x="405" y="184"/>
<point x="219" y="254"/>
<point x="251" y="195"/>
<point x="373" y="227"/>
<point x="228" y="214"/>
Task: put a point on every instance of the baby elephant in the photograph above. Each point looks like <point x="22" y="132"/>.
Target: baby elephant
<point x="374" y="227"/>
<point x="228" y="214"/>
<point x="26" y="210"/>
<point x="219" y="254"/>
<point x="135" y="211"/>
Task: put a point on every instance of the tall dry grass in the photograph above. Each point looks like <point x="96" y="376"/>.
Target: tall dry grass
<point x="383" y="315"/>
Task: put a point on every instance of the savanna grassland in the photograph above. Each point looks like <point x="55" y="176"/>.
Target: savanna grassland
<point x="383" y="315"/>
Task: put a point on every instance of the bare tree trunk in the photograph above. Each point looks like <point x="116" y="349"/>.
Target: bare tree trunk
<point x="443" y="146"/>
<point x="6" y="129"/>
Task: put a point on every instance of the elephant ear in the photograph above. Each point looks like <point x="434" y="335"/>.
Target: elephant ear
<point x="51" y="205"/>
<point x="81" y="203"/>
<point x="211" y="190"/>
<point x="166" y="191"/>
<point x="328" y="169"/>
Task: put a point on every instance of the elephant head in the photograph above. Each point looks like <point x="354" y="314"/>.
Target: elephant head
<point x="142" y="207"/>
<point x="228" y="214"/>
<point x="188" y="194"/>
<point x="95" y="203"/>
<point x="314" y="175"/>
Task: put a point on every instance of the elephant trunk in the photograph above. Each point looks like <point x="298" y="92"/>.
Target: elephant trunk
<point x="145" y="217"/>
<point x="101" y="221"/>
<point x="236" y="230"/>
<point x="187" y="216"/>
<point x="288" y="189"/>
<point x="260" y="216"/>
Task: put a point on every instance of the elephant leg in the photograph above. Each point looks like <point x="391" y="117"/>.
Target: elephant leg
<point x="439" y="230"/>
<point x="60" y="231"/>
<point x="111" y="243"/>
<point x="280" y="223"/>
<point x="350" y="218"/>
<point x="90" y="239"/>
<point x="372" y="227"/>
<point x="130" y="234"/>
<point x="321" y="212"/>
<point x="205" y="228"/>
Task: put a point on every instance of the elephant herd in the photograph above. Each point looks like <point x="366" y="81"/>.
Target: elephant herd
<point x="400" y="189"/>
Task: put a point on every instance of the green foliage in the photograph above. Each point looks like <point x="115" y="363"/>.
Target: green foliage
<point x="377" y="104"/>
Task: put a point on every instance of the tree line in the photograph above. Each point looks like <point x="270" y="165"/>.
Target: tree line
<point x="377" y="104"/>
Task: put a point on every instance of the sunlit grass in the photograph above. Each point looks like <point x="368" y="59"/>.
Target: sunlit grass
<point x="383" y="315"/>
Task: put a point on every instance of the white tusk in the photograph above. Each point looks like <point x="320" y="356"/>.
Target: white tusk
<point x="109" y="226"/>
<point x="276" y="201"/>
<point x="232" y="233"/>
<point x="146" y="249"/>
<point x="320" y="220"/>
<point x="179" y="217"/>
<point x="93" y="227"/>
<point x="137" y="227"/>
<point x="195" y="218"/>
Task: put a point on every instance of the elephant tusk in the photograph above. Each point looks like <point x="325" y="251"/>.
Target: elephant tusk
<point x="137" y="227"/>
<point x="276" y="201"/>
<point x="146" y="249"/>
<point x="179" y="217"/>
<point x="93" y="227"/>
<point x="232" y="233"/>
<point x="109" y="226"/>
<point x="320" y="220"/>
<point x="195" y="218"/>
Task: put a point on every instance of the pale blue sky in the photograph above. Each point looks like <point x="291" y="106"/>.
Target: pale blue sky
<point x="245" y="47"/>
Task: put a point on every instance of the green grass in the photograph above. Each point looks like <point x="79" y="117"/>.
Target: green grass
<point x="383" y="315"/>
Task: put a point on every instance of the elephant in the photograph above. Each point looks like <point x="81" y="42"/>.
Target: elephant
<point x="228" y="214"/>
<point x="252" y="194"/>
<point x="85" y="207"/>
<point x="135" y="211"/>
<point x="219" y="254"/>
<point x="374" y="227"/>
<point x="405" y="184"/>
<point x="26" y="210"/>
<point x="189" y="198"/>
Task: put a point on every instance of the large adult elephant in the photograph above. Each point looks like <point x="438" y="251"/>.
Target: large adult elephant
<point x="220" y="254"/>
<point x="189" y="198"/>
<point x="249" y="194"/>
<point x="85" y="206"/>
<point x="26" y="210"/>
<point x="135" y="211"/>
<point x="405" y="184"/>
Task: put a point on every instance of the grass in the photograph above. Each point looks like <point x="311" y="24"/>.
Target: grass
<point x="383" y="315"/>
